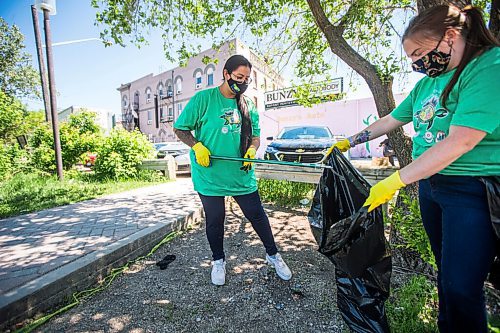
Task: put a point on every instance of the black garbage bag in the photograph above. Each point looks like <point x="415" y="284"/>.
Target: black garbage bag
<point x="354" y="241"/>
<point x="493" y="191"/>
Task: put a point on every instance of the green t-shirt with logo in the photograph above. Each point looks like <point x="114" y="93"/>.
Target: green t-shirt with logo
<point x="216" y="122"/>
<point x="473" y="102"/>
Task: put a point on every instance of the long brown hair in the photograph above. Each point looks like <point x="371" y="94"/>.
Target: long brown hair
<point x="232" y="64"/>
<point x="433" y="23"/>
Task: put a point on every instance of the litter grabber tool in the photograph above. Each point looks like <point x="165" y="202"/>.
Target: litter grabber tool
<point x="240" y="159"/>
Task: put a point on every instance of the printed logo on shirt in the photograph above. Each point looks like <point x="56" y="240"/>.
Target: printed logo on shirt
<point x="232" y="121"/>
<point x="231" y="117"/>
<point x="429" y="113"/>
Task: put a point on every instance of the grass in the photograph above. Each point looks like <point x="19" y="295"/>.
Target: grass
<point x="413" y="307"/>
<point x="25" y="193"/>
<point x="285" y="193"/>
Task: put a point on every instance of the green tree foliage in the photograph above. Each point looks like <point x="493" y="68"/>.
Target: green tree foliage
<point x="17" y="76"/>
<point x="12" y="114"/>
<point x="121" y="153"/>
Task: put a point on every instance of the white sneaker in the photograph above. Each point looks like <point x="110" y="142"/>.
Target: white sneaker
<point x="280" y="266"/>
<point x="219" y="272"/>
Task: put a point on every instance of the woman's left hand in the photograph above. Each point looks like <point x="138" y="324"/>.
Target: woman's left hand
<point x="251" y="152"/>
<point x="383" y="191"/>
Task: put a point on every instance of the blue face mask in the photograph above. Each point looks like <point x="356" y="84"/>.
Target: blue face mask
<point x="433" y="63"/>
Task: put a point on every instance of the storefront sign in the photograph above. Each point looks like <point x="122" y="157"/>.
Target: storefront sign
<point x="286" y="97"/>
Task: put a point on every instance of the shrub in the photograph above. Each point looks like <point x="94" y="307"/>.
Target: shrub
<point x="120" y="155"/>
<point x="78" y="135"/>
<point x="13" y="159"/>
<point x="406" y="219"/>
<point x="40" y="145"/>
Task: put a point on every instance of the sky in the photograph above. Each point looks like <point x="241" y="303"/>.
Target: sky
<point x="87" y="74"/>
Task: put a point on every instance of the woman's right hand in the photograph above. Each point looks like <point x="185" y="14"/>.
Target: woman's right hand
<point x="202" y="154"/>
<point x="343" y="146"/>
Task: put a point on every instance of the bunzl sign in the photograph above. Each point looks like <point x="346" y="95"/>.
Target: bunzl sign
<point x="286" y="97"/>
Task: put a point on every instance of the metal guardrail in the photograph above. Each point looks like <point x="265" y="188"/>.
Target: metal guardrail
<point x="312" y="176"/>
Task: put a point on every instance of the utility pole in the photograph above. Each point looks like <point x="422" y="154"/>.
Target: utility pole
<point x="49" y="7"/>
<point x="41" y="64"/>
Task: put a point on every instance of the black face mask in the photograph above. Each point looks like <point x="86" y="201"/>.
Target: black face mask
<point x="433" y="63"/>
<point x="237" y="87"/>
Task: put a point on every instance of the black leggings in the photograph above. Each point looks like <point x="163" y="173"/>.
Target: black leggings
<point x="215" y="214"/>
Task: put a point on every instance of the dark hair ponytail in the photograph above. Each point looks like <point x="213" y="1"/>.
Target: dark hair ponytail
<point x="232" y="64"/>
<point x="433" y="23"/>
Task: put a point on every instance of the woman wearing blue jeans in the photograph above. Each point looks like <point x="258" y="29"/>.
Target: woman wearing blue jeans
<point x="455" y="111"/>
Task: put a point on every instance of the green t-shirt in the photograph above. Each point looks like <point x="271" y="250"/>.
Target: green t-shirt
<point x="216" y="122"/>
<point x="473" y="102"/>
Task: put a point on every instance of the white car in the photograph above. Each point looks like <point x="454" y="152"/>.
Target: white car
<point x="180" y="152"/>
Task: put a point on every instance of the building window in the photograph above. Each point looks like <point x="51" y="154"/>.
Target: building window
<point x="148" y="95"/>
<point x="150" y="117"/>
<point x="136" y="101"/>
<point x="178" y="84"/>
<point x="160" y="89"/>
<point x="125" y="101"/>
<point x="162" y="112"/>
<point x="170" y="112"/>
<point x="198" y="80"/>
<point x="210" y="77"/>
<point x="255" y="83"/>
<point x="169" y="91"/>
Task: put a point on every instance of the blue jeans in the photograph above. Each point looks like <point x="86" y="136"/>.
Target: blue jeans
<point x="215" y="214"/>
<point x="456" y="218"/>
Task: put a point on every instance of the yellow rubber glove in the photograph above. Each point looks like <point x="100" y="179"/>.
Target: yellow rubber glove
<point x="251" y="151"/>
<point x="342" y="145"/>
<point x="202" y="154"/>
<point x="383" y="191"/>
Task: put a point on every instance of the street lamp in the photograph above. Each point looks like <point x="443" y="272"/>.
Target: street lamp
<point x="48" y="7"/>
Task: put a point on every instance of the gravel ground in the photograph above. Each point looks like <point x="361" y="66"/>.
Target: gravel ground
<point x="181" y="298"/>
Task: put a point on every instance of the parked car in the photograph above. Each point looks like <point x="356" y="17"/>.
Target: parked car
<point x="303" y="144"/>
<point x="158" y="145"/>
<point x="180" y="152"/>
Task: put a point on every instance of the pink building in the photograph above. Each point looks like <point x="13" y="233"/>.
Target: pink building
<point x="153" y="103"/>
<point x="344" y="117"/>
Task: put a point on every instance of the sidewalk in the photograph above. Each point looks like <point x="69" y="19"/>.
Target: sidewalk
<point x="46" y="256"/>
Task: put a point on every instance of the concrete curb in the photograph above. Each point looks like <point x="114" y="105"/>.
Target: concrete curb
<point x="56" y="287"/>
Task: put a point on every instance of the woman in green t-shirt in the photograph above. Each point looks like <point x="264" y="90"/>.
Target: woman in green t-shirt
<point x="455" y="111"/>
<point x="226" y="123"/>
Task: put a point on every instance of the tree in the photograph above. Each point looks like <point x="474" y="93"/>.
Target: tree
<point x="17" y="77"/>
<point x="362" y="33"/>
